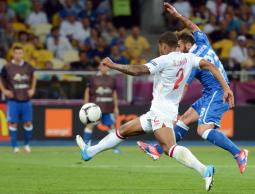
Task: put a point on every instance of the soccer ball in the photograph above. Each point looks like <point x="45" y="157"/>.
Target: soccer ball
<point x="90" y="113"/>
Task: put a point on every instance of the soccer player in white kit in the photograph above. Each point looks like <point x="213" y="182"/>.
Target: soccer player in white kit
<point x="171" y="71"/>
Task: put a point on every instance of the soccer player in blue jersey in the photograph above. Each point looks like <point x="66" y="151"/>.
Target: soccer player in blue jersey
<point x="207" y="110"/>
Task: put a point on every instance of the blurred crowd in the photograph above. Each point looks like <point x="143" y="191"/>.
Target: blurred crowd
<point x="77" y="34"/>
<point x="230" y="26"/>
<point x="68" y="34"/>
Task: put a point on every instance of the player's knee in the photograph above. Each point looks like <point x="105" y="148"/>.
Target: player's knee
<point x="202" y="128"/>
<point x="28" y="124"/>
<point x="13" y="125"/>
<point x="123" y="131"/>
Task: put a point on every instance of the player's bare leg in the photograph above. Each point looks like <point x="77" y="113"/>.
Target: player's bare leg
<point x="13" y="134"/>
<point x="166" y="138"/>
<point x="28" y="128"/>
<point x="131" y="128"/>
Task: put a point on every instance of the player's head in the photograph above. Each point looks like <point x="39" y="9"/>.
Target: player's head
<point x="17" y="53"/>
<point x="185" y="41"/>
<point x="168" y="42"/>
<point x="103" y="69"/>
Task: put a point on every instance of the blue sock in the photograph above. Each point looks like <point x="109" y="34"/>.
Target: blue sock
<point x="180" y="130"/>
<point x="218" y="138"/>
<point x="87" y="135"/>
<point x="13" y="135"/>
<point x="28" y="131"/>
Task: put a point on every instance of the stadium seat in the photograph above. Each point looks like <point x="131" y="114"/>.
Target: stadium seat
<point x="70" y="56"/>
<point x="57" y="63"/>
<point x="41" y="57"/>
<point x="42" y="30"/>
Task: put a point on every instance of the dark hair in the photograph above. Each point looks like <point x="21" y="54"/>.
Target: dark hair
<point x="186" y="37"/>
<point x="17" y="47"/>
<point x="169" y="38"/>
<point x="54" y="28"/>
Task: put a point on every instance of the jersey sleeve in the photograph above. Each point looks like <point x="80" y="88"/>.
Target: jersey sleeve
<point x="156" y="65"/>
<point x="192" y="76"/>
<point x="201" y="38"/>
<point x="194" y="60"/>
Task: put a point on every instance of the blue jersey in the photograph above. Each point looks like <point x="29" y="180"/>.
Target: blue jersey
<point x="203" y="48"/>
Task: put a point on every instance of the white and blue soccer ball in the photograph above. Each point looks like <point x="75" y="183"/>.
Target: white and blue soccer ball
<point x="90" y="113"/>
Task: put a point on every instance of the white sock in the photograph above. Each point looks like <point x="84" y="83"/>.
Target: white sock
<point x="108" y="142"/>
<point x="185" y="157"/>
<point x="111" y="131"/>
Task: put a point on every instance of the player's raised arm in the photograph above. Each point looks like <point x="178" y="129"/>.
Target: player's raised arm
<point x="134" y="70"/>
<point x="228" y="94"/>
<point x="173" y="12"/>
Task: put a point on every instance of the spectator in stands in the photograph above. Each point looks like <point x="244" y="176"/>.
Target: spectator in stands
<point x="5" y="12"/>
<point x="37" y="16"/>
<point x="216" y="7"/>
<point x="232" y="22"/>
<point x="83" y="64"/>
<point x="89" y="11"/>
<point x="85" y="33"/>
<point x="183" y="7"/>
<point x="58" y="44"/>
<point x="71" y="27"/>
<point x="109" y="33"/>
<point x="225" y="45"/>
<point x="101" y="51"/>
<point x="52" y="7"/>
<point x="116" y="55"/>
<point x="238" y="54"/>
<point x="249" y="64"/>
<point x="120" y="39"/>
<point x="21" y="8"/>
<point x="245" y="14"/>
<point x="90" y="42"/>
<point x="136" y="44"/>
<point x="211" y="26"/>
<point x="68" y="8"/>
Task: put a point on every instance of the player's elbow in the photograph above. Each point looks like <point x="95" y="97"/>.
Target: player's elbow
<point x="205" y="65"/>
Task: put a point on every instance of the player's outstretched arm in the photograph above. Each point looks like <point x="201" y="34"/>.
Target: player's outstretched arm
<point x="134" y="70"/>
<point x="228" y="94"/>
<point x="173" y="12"/>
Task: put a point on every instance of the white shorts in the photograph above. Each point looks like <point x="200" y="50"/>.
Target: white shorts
<point x="152" y="121"/>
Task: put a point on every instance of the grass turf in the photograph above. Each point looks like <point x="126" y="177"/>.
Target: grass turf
<point x="59" y="170"/>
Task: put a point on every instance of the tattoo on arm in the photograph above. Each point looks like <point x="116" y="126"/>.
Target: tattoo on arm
<point x="134" y="70"/>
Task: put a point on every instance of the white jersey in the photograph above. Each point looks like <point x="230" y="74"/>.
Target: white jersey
<point x="170" y="76"/>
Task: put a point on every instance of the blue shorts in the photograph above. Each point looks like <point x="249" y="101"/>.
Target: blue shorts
<point x="108" y="119"/>
<point x="210" y="108"/>
<point x="19" y="111"/>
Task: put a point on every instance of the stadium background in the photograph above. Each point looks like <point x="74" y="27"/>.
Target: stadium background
<point x="53" y="167"/>
<point x="92" y="30"/>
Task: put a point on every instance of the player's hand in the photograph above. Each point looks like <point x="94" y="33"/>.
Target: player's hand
<point x="107" y="62"/>
<point x="229" y="97"/>
<point x="171" y="10"/>
<point x="8" y="93"/>
<point x="31" y="93"/>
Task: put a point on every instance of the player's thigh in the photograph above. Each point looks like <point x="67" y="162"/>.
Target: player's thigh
<point x="213" y="110"/>
<point x="190" y="116"/>
<point x="165" y="137"/>
<point x="131" y="128"/>
<point x="13" y="111"/>
<point x="26" y="112"/>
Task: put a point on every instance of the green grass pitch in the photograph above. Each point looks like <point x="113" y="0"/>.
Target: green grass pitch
<point x="59" y="170"/>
